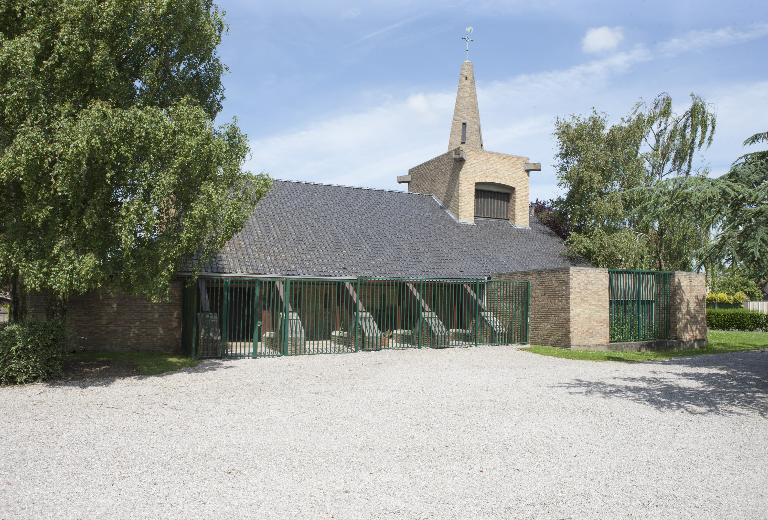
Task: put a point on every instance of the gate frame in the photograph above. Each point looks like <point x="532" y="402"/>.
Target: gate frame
<point x="517" y="318"/>
<point x="661" y="303"/>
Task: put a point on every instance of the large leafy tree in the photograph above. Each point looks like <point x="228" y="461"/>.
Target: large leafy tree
<point x="625" y="205"/>
<point x="111" y="168"/>
<point x="741" y="240"/>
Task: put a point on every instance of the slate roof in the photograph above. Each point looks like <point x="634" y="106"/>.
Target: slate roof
<point x="310" y="229"/>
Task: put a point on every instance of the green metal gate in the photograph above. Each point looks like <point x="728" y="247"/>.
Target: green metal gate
<point x="639" y="305"/>
<point x="261" y="317"/>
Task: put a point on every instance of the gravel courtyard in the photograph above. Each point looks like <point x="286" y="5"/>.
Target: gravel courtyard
<point x="487" y="432"/>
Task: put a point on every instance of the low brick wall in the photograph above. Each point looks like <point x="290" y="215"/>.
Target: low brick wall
<point x="102" y="321"/>
<point x="570" y="308"/>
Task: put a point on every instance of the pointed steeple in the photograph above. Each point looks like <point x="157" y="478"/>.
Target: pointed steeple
<point x="465" y="128"/>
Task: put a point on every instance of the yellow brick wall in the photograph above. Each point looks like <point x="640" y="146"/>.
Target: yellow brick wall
<point x="115" y="322"/>
<point x="549" y="314"/>
<point x="590" y="320"/>
<point x="453" y="181"/>
<point x="438" y="177"/>
<point x="496" y="168"/>
<point x="689" y="306"/>
<point x="570" y="308"/>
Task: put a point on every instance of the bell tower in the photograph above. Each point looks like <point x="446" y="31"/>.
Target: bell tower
<point x="470" y="182"/>
<point x="465" y="127"/>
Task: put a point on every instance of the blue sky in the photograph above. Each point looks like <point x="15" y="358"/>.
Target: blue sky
<point x="355" y="93"/>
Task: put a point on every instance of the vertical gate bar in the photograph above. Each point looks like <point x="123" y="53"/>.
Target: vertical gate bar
<point x="638" y="282"/>
<point x="273" y="319"/>
<point x="232" y="330"/>
<point x="611" y="306"/>
<point x="527" y="316"/>
<point x="237" y="316"/>
<point x="225" y="320"/>
<point x="236" y="332"/>
<point x="476" y="312"/>
<point x="359" y="337"/>
<point x="256" y="306"/>
<point x="242" y="313"/>
<point x="234" y="318"/>
<point x="284" y="320"/>
<point x="638" y="315"/>
<point x="245" y="313"/>
<point x="420" y="309"/>
<point x="195" y="312"/>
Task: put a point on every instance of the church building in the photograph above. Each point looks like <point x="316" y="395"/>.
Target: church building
<point x="457" y="260"/>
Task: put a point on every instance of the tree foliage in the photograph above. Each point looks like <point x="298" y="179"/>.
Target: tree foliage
<point x="734" y="280"/>
<point x="742" y="235"/>
<point x="111" y="168"/>
<point x="624" y="206"/>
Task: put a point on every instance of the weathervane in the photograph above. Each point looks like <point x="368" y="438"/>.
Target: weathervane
<point x="467" y="40"/>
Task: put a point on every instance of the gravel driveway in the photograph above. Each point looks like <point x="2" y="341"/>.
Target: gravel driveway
<point x="487" y="432"/>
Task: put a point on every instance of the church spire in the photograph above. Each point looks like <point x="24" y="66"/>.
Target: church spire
<point x="465" y="128"/>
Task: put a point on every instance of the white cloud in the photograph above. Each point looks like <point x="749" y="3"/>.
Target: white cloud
<point x="602" y="39"/>
<point x="697" y="40"/>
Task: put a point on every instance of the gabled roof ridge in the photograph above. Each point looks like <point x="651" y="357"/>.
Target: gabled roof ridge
<point x="352" y="187"/>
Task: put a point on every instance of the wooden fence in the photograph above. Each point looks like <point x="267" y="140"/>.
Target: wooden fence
<point x="757" y="306"/>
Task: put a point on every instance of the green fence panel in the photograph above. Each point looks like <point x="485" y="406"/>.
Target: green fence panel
<point x="237" y="317"/>
<point x="639" y="305"/>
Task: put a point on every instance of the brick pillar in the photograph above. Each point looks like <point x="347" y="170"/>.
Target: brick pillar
<point x="569" y="306"/>
<point x="689" y="309"/>
<point x="589" y="307"/>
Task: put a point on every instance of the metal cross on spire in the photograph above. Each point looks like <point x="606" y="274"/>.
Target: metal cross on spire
<point x="467" y="40"/>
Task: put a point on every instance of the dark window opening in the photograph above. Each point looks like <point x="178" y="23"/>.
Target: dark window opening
<point x="463" y="133"/>
<point x="491" y="204"/>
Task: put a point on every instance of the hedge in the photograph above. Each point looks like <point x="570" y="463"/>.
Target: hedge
<point x="31" y="351"/>
<point x="736" y="319"/>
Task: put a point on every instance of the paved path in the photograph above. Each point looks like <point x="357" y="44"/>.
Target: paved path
<point x="487" y="432"/>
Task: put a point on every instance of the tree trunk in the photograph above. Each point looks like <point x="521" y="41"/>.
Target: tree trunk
<point x="56" y="308"/>
<point x="18" y="309"/>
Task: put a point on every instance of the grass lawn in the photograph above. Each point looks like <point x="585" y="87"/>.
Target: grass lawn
<point x="140" y="363"/>
<point x="720" y="341"/>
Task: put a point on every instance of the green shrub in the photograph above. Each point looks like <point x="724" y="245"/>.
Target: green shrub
<point x="733" y="281"/>
<point x="723" y="298"/>
<point x="31" y="351"/>
<point x="736" y="319"/>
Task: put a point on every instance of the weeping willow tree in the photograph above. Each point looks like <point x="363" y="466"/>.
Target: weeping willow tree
<point x="625" y="204"/>
<point x="111" y="167"/>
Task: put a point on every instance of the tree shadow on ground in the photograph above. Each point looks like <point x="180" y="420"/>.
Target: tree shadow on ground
<point x="97" y="373"/>
<point x="726" y="384"/>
